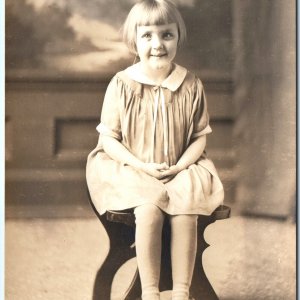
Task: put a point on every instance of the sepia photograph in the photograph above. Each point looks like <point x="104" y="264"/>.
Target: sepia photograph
<point x="150" y="150"/>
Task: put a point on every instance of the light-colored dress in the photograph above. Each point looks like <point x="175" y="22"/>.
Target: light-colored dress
<point x="156" y="124"/>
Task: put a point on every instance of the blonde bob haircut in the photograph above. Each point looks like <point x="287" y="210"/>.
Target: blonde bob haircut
<point x="152" y="12"/>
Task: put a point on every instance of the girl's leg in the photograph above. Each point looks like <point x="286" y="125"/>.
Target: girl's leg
<point x="149" y="222"/>
<point x="183" y="253"/>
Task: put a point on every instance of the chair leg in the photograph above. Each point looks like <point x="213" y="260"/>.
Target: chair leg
<point x="105" y="275"/>
<point x="135" y="289"/>
<point x="121" y="238"/>
<point x="201" y="287"/>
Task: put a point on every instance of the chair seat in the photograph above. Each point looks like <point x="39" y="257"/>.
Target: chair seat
<point x="128" y="218"/>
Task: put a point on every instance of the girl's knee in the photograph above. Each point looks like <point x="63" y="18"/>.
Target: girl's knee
<point x="188" y="220"/>
<point x="148" y="213"/>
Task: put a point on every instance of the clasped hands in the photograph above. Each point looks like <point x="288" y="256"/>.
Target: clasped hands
<point x="162" y="171"/>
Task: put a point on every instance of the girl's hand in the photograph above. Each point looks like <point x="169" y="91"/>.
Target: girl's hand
<point x="170" y="173"/>
<point x="154" y="169"/>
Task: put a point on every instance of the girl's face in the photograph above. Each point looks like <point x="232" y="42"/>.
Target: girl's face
<point x="157" y="45"/>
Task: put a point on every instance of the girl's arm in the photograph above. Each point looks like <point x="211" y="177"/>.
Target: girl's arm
<point x="190" y="156"/>
<point x="121" y="154"/>
<point x="192" y="153"/>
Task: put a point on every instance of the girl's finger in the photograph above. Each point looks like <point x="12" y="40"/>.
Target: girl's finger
<point x="167" y="179"/>
<point x="162" y="166"/>
<point x="165" y="165"/>
<point x="168" y="172"/>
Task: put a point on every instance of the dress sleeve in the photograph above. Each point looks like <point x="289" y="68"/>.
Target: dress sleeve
<point x="110" y="124"/>
<point x="200" y="115"/>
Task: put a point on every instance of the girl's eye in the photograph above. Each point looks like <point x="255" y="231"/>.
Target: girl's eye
<point x="167" y="35"/>
<point x="147" y="35"/>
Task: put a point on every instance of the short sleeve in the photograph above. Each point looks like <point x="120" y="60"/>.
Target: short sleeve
<point x="110" y="124"/>
<point x="200" y="115"/>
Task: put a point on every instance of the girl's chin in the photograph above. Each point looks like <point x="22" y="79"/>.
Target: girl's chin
<point x="161" y="65"/>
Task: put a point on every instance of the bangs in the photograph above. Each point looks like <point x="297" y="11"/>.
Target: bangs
<point x="154" y="16"/>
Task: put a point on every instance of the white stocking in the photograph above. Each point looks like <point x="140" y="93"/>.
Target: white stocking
<point x="149" y="222"/>
<point x="183" y="253"/>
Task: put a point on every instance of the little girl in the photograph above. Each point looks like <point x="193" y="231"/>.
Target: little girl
<point x="150" y="156"/>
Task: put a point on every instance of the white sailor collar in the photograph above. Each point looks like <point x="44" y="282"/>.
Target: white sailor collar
<point x="172" y="82"/>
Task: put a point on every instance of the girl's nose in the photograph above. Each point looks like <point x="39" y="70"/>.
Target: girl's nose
<point x="156" y="42"/>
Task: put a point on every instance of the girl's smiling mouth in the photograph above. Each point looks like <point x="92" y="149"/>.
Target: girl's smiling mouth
<point x="158" y="55"/>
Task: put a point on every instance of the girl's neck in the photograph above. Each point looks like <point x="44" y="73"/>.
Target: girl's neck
<point x="157" y="76"/>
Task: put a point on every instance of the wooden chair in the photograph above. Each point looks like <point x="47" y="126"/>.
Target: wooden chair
<point x="120" y="227"/>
